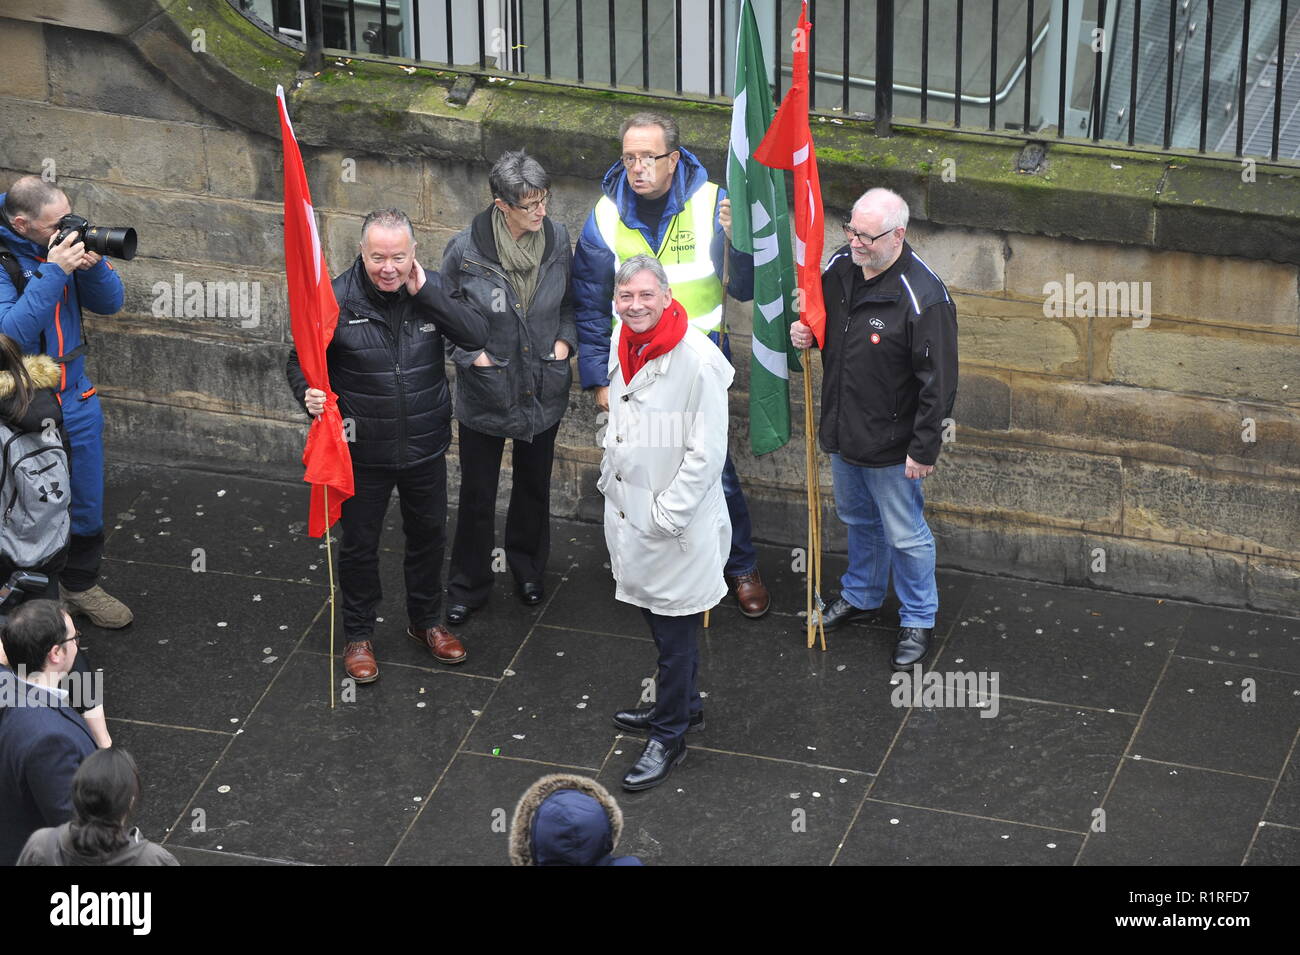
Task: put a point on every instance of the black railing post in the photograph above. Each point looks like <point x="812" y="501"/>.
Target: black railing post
<point x="1205" y="74"/>
<point x="1063" y="70"/>
<point x="1277" y="80"/>
<point x="925" y="60"/>
<point x="314" y="37"/>
<point x="1243" y="78"/>
<point x="884" y="67"/>
<point x="993" y="69"/>
<point x="956" y="97"/>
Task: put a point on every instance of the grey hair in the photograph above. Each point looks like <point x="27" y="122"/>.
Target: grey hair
<point x="515" y="175"/>
<point x="666" y="123"/>
<point x="892" y="206"/>
<point x="28" y="196"/>
<point x="634" y="266"/>
<point x="387" y="219"/>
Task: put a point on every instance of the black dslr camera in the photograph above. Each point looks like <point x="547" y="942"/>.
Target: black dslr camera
<point x="117" y="241"/>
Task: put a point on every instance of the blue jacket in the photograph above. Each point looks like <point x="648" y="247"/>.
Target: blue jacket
<point x="50" y="306"/>
<point x="594" y="266"/>
<point x="42" y="743"/>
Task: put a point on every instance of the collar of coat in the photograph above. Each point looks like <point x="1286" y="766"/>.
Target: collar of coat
<point x="43" y="370"/>
<point x="648" y="372"/>
<point x="481" y="232"/>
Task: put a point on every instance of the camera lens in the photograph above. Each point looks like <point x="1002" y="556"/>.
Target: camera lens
<point x="118" y="241"/>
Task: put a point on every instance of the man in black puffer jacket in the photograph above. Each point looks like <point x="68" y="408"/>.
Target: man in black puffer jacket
<point x="386" y="365"/>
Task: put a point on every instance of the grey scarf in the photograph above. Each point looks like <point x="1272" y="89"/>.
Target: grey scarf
<point x="522" y="259"/>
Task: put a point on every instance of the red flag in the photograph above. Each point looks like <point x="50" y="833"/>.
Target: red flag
<point x="789" y="145"/>
<point x="313" y="315"/>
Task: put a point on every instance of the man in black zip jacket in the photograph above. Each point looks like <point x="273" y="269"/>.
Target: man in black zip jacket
<point x="890" y="380"/>
<point x="386" y="365"/>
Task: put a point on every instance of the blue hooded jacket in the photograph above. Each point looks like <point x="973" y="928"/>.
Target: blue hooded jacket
<point x="567" y="820"/>
<point x="50" y="305"/>
<point x="594" y="267"/>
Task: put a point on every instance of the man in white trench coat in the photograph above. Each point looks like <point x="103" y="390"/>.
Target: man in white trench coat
<point x="666" y="522"/>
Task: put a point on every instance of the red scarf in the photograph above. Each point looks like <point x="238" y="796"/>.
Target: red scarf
<point x="659" y="340"/>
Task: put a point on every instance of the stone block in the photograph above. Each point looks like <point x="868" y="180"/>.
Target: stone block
<point x="245" y="166"/>
<point x="357" y="183"/>
<point x="1226" y="512"/>
<point x="98" y="16"/>
<point x="100" y="72"/>
<point x="82" y="145"/>
<point x="1274" y="584"/>
<point x="243" y="381"/>
<point x="147" y="432"/>
<point x="983" y="401"/>
<point x="1037" y="485"/>
<point x="189" y="298"/>
<point x="968" y="260"/>
<point x="1173" y="357"/>
<point x="1215" y="209"/>
<point x="22" y="51"/>
<point x="1176" y="428"/>
<point x="1211" y="288"/>
<point x="1012" y="334"/>
<point x="1163" y="570"/>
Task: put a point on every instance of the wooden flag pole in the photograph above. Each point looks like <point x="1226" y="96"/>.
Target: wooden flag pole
<point x="814" y="557"/>
<point x="329" y="563"/>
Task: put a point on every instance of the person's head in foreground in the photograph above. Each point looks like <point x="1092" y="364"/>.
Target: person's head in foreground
<point x="563" y="819"/>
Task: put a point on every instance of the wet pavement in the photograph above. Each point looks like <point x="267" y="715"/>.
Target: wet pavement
<point x="1072" y="727"/>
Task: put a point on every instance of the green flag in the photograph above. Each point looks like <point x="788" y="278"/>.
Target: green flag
<point x="760" y="221"/>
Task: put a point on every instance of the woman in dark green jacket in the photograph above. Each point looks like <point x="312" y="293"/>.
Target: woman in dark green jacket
<point x="512" y="263"/>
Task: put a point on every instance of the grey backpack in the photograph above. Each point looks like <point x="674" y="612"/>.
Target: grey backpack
<point x="35" y="497"/>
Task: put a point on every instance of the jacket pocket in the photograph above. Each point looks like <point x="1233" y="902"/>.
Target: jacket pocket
<point x="482" y="392"/>
<point x="557" y="378"/>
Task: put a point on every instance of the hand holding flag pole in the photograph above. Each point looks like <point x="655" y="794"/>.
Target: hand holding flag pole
<point x="313" y="315"/>
<point x="789" y="145"/>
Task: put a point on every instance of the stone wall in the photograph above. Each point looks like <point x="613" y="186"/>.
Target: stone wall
<point x="1159" y="458"/>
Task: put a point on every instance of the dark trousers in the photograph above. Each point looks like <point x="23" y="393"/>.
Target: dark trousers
<point x="676" y="693"/>
<point x="82" y="567"/>
<point x="743" y="558"/>
<point x="422" y="495"/>
<point x="528" y="520"/>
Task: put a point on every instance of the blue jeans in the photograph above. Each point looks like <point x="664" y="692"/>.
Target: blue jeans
<point x="882" y="510"/>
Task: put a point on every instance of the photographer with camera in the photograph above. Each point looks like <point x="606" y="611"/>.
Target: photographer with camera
<point x="53" y="266"/>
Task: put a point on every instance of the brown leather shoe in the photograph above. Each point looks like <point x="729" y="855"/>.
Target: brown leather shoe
<point x="444" y="647"/>
<point x="752" y="596"/>
<point x="359" y="661"/>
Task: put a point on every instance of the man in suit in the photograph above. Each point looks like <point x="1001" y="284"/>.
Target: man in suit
<point x="42" y="738"/>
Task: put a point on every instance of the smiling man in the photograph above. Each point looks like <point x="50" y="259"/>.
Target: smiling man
<point x="890" y="361"/>
<point x="666" y="523"/>
<point x="386" y="365"/>
<point x="658" y="201"/>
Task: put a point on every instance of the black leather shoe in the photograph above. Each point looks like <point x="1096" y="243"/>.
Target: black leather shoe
<point x="656" y="762"/>
<point x="913" y="645"/>
<point x="841" y="611"/>
<point x="457" y="614"/>
<point x="531" y="594"/>
<point x="638" y="721"/>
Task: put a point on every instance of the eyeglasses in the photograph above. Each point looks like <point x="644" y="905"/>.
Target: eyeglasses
<point x="851" y="233"/>
<point x="631" y="162"/>
<point x="75" y="638"/>
<point x="533" y="206"/>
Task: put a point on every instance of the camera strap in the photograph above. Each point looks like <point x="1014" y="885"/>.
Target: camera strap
<point x="13" y="267"/>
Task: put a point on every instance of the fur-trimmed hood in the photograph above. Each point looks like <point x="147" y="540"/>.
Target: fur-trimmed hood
<point x="563" y="819"/>
<point x="43" y="369"/>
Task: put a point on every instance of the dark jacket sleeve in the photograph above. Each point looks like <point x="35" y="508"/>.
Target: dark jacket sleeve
<point x="297" y="380"/>
<point x="50" y="766"/>
<point x="450" y="275"/>
<point x="455" y="318"/>
<point x="934" y="363"/>
<point x="740" y="281"/>
<point x="593" y="297"/>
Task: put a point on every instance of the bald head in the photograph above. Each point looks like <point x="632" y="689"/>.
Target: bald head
<point x="875" y="230"/>
<point x="29" y="195"/>
<point x="885" y="204"/>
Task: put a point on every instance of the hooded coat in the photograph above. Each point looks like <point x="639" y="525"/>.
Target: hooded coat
<point x="594" y="264"/>
<point x="44" y="405"/>
<point x="570" y="820"/>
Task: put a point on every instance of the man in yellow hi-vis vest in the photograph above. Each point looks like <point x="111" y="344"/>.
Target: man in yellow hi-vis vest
<point x="658" y="201"/>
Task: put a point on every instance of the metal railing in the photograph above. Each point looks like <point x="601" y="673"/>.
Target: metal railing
<point x="1173" y="76"/>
